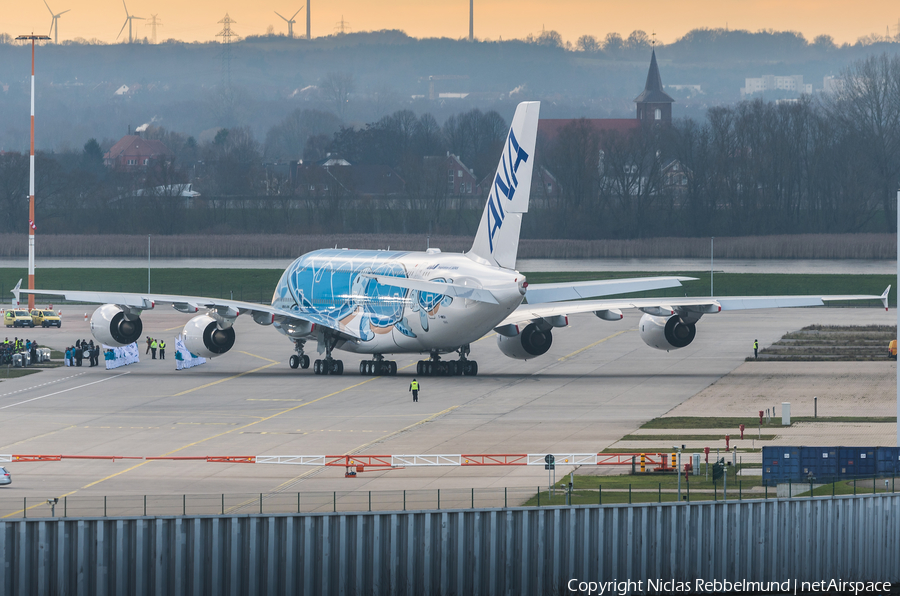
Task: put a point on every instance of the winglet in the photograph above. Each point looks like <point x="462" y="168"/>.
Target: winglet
<point x="884" y="297"/>
<point x="15" y="291"/>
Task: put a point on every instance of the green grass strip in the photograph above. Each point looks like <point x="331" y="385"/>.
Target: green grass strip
<point x="734" y="422"/>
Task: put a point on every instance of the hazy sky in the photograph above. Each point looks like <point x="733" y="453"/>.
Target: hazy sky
<point x="196" y="20"/>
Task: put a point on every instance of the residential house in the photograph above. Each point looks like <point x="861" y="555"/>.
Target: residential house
<point x="133" y="152"/>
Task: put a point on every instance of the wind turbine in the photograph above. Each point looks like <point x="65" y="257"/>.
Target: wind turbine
<point x="290" y="22"/>
<point x="54" y="25"/>
<point x="128" y="19"/>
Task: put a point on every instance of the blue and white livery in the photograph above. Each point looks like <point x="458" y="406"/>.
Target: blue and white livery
<point x="390" y="302"/>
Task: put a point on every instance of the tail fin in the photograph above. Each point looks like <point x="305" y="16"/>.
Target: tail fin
<point x="497" y="240"/>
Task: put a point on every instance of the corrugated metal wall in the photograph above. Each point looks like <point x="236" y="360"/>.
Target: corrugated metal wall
<point x="517" y="551"/>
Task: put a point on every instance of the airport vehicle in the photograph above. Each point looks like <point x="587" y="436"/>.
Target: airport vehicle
<point x="391" y="302"/>
<point x="46" y="318"/>
<point x="892" y="349"/>
<point x="5" y="477"/>
<point x="17" y="318"/>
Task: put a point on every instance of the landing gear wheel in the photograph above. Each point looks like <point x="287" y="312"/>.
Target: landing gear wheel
<point x="317" y="367"/>
<point x="304" y="362"/>
<point x="419" y="367"/>
<point x="294" y="361"/>
<point x="470" y="368"/>
<point x="393" y="368"/>
<point x="453" y="369"/>
<point x="362" y="367"/>
<point x="337" y="367"/>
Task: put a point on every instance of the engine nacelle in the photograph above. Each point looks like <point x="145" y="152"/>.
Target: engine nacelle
<point x="112" y="326"/>
<point x="666" y="333"/>
<point x="203" y="336"/>
<point x="531" y="343"/>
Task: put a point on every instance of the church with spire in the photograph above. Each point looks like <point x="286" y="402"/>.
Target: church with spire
<point x="654" y="108"/>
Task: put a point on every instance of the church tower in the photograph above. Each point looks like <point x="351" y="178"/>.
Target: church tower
<point x="653" y="105"/>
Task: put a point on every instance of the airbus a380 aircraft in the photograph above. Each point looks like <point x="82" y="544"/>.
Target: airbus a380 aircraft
<point x="386" y="302"/>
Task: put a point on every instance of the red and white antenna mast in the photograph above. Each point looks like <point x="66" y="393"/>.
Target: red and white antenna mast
<point x="31" y="225"/>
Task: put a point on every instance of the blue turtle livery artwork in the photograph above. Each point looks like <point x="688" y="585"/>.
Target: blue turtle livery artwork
<point x="350" y="295"/>
<point x="427" y="304"/>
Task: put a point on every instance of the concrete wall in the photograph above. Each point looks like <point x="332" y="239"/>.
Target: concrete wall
<point x="518" y="551"/>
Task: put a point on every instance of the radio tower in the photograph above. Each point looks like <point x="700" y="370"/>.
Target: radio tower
<point x="471" y="20"/>
<point x="227" y="34"/>
<point x="31" y="225"/>
<point x="153" y="24"/>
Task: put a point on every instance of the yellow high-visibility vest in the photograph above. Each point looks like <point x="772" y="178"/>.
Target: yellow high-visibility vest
<point x="162" y="345"/>
<point x="414" y="386"/>
<point x="154" y="344"/>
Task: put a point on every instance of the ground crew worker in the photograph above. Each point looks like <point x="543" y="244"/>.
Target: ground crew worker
<point x="756" y="349"/>
<point x="414" y="387"/>
<point x="149" y="341"/>
<point x="162" y="349"/>
<point x="153" y="346"/>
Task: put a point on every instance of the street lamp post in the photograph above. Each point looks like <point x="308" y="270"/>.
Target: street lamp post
<point x="31" y="225"/>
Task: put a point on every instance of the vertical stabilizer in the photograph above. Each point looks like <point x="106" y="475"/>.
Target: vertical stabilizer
<point x="497" y="240"/>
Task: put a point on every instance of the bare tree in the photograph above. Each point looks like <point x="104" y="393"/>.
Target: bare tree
<point x="867" y="107"/>
<point x="588" y="44"/>
<point x="336" y="89"/>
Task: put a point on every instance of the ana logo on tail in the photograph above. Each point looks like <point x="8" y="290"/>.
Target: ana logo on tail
<point x="512" y="158"/>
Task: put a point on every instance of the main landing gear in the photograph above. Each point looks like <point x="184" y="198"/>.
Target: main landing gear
<point x="328" y="366"/>
<point x="377" y="367"/>
<point x="435" y="367"/>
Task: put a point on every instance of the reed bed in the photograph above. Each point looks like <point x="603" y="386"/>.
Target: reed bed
<point x="809" y="246"/>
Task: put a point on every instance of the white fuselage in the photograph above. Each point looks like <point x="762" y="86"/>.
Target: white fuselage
<point x="337" y="284"/>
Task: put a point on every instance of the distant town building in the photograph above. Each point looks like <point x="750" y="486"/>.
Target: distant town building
<point x="133" y="152"/>
<point x="832" y="84"/>
<point x="690" y="88"/>
<point x="792" y="83"/>
<point x="460" y="178"/>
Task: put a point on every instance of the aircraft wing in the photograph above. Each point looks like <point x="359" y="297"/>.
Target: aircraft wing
<point x="261" y="313"/>
<point x="557" y="292"/>
<point x="610" y="309"/>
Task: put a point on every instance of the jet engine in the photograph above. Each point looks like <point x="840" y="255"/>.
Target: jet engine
<point x="203" y="336"/>
<point x="530" y="343"/>
<point x="667" y="333"/>
<point x="112" y="326"/>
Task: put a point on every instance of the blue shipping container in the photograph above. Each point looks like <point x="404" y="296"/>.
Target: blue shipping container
<point x="820" y="463"/>
<point x="888" y="461"/>
<point x="781" y="464"/>
<point x="856" y="462"/>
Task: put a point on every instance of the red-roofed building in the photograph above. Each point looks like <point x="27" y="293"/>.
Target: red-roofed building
<point x="134" y="152"/>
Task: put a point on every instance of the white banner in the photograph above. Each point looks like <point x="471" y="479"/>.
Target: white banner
<point x="183" y="358"/>
<point x="116" y="357"/>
